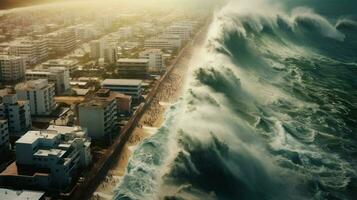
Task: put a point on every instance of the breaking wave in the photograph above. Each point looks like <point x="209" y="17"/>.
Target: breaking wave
<point x="269" y="113"/>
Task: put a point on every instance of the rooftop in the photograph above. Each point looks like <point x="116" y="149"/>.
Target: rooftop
<point x="133" y="60"/>
<point x="152" y="51"/>
<point x="98" y="101"/>
<point x="31" y="136"/>
<point x="60" y="62"/>
<point x="7" y="194"/>
<point x="130" y="82"/>
<point x="46" y="152"/>
<point x="33" y="85"/>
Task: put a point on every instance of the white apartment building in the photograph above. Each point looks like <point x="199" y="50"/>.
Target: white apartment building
<point x="174" y="40"/>
<point x="125" y="32"/>
<point x="17" y="113"/>
<point x="62" y="41"/>
<point x="182" y="30"/>
<point x="40" y="93"/>
<point x="131" y="87"/>
<point x="12" y="68"/>
<point x="85" y="31"/>
<point x="155" y="57"/>
<point x="71" y="65"/>
<point x="34" y="50"/>
<point x="159" y="43"/>
<point x="59" y="153"/>
<point x="57" y="75"/>
<point x="99" y="115"/>
<point x="4" y="136"/>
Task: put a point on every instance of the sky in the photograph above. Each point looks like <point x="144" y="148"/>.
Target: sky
<point x="4" y="4"/>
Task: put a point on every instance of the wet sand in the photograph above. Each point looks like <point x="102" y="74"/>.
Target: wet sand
<point x="168" y="93"/>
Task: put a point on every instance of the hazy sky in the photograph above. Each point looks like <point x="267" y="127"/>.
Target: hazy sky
<point x="17" y="3"/>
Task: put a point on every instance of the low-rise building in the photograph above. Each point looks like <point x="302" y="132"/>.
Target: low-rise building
<point x="34" y="50"/>
<point x="184" y="31"/>
<point x="131" y="87"/>
<point x="56" y="75"/>
<point x="133" y="68"/>
<point x="99" y="115"/>
<point x="17" y="113"/>
<point x="159" y="43"/>
<point x="174" y="40"/>
<point x="62" y="41"/>
<point x="155" y="57"/>
<point x="49" y="158"/>
<point x="12" y="68"/>
<point x="40" y="93"/>
<point x="71" y="65"/>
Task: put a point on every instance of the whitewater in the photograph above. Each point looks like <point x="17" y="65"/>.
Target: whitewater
<point x="268" y="111"/>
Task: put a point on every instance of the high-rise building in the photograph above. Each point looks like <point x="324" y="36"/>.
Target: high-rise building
<point x="17" y="113"/>
<point x="40" y="93"/>
<point x="95" y="49"/>
<point x="110" y="53"/>
<point x="12" y="68"/>
<point x="57" y="75"/>
<point x="99" y="115"/>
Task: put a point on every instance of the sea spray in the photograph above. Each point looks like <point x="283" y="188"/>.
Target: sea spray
<point x="268" y="112"/>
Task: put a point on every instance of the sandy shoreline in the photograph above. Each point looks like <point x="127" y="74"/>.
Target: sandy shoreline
<point x="168" y="93"/>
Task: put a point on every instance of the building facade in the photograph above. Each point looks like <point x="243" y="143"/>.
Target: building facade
<point x="99" y="115"/>
<point x="40" y="93"/>
<point x="17" y="113"/>
<point x="59" y="152"/>
<point x="62" y="41"/>
<point x="34" y="50"/>
<point x="155" y="57"/>
<point x="56" y="75"/>
<point x="133" y="68"/>
<point x="71" y="65"/>
<point x="12" y="68"/>
<point x="4" y="136"/>
<point x="131" y="87"/>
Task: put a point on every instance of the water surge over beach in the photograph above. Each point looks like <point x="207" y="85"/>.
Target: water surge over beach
<point x="269" y="111"/>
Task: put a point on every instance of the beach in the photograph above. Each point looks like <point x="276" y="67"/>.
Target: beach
<point x="168" y="93"/>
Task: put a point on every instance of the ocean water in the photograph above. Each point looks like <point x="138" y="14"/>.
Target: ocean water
<point x="269" y="110"/>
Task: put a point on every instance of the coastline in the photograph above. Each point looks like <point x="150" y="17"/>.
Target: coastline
<point x="153" y="118"/>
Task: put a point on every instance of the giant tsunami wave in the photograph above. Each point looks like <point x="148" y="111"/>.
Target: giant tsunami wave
<point x="269" y="112"/>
